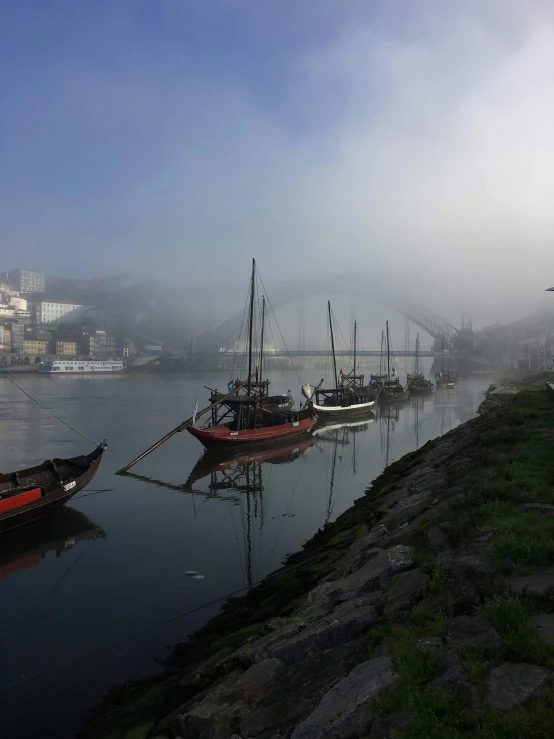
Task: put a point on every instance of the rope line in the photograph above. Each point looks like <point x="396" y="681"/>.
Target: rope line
<point x="172" y="619"/>
<point x="42" y="403"/>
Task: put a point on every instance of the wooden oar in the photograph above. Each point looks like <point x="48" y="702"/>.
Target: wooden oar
<point x="180" y="427"/>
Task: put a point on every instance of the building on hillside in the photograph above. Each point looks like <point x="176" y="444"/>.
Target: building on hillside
<point x="17" y="335"/>
<point x="19" y="303"/>
<point x="65" y="348"/>
<point x="101" y="344"/>
<point x="25" y="281"/>
<point x="34" y="346"/>
<point x="7" y="311"/>
<point x="7" y="289"/>
<point x="2" y="337"/>
<point x="64" y="313"/>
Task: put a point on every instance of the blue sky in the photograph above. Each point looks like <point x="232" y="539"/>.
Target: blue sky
<point x="178" y="138"/>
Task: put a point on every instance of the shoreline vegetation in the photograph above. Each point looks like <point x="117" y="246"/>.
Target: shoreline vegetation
<point x="425" y="610"/>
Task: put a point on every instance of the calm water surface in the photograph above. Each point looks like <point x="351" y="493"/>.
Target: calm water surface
<point x="114" y="563"/>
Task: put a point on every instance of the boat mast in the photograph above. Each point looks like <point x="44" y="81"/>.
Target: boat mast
<point x="333" y="345"/>
<point x="262" y="344"/>
<point x="355" y="327"/>
<point x="381" y="368"/>
<point x="417" y="355"/>
<point x="251" y="325"/>
<point x="442" y="350"/>
<point x="388" y="352"/>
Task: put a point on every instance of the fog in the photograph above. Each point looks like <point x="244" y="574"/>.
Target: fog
<point x="409" y="147"/>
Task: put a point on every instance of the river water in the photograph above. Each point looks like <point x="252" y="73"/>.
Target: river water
<point x="114" y="563"/>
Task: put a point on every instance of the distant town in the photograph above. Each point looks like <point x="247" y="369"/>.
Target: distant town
<point x="35" y="324"/>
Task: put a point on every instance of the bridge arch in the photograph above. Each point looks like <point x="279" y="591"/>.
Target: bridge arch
<point x="285" y="293"/>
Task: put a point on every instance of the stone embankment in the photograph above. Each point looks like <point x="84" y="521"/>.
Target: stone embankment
<point x="426" y="610"/>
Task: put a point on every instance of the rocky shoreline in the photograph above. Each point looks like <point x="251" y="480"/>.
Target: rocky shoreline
<point x="425" y="610"/>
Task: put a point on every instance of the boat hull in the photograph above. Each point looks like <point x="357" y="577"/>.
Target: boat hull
<point x="336" y="410"/>
<point x="42" y="475"/>
<point x="222" y="437"/>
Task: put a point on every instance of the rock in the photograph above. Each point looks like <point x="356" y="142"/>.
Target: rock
<point x="345" y="706"/>
<point x="376" y="598"/>
<point x="405" y="510"/>
<point x="390" y="727"/>
<point x="471" y="631"/>
<point x="261" y="648"/>
<point x="544" y="626"/>
<point x="377" y="572"/>
<point x="431" y="645"/>
<point x="540" y="583"/>
<point x="454" y="680"/>
<point x="369" y="541"/>
<point x="456" y="599"/>
<point x="308" y="681"/>
<point x="221" y="708"/>
<point x="325" y="634"/>
<point x="511" y="685"/>
<point x="406" y="590"/>
<point x="364" y="556"/>
<point x="402" y="535"/>
<point x="472" y="560"/>
<point x="436" y="537"/>
<point x="255" y="678"/>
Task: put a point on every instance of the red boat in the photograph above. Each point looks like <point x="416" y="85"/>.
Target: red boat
<point x="227" y="436"/>
<point x="250" y="419"/>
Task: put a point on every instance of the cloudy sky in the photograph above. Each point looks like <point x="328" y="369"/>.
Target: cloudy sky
<point x="408" y="141"/>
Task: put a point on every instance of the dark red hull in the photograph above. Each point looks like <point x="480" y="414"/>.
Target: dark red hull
<point x="222" y="437"/>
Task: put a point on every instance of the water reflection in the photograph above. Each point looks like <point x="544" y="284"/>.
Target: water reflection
<point x="58" y="532"/>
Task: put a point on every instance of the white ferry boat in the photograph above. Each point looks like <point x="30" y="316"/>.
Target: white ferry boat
<point x="81" y="366"/>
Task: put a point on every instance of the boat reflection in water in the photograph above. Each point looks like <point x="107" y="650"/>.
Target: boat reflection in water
<point x="237" y="478"/>
<point x="58" y="532"/>
<point x="233" y="471"/>
<point x="341" y="435"/>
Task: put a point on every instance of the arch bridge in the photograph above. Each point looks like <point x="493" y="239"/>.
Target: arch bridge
<point x="282" y="294"/>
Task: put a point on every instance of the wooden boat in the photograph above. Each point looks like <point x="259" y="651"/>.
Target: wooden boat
<point x="446" y="378"/>
<point x="393" y="391"/>
<point x="416" y="382"/>
<point x="29" y="494"/>
<point x="349" y="395"/>
<point x="249" y="421"/>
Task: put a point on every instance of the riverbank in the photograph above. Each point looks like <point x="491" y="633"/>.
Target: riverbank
<point x="425" y="609"/>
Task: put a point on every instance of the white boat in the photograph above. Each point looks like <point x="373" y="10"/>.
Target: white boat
<point x="349" y="394"/>
<point x="81" y="367"/>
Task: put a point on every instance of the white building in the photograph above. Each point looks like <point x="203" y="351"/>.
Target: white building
<point x="19" y="303"/>
<point x="62" y="312"/>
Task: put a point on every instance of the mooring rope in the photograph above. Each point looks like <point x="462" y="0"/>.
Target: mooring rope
<point x="42" y="403"/>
